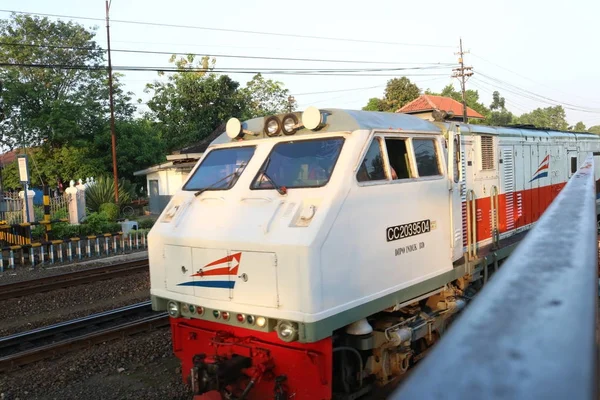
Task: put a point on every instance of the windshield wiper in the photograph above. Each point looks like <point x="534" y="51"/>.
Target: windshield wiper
<point x="236" y="173"/>
<point x="280" y="189"/>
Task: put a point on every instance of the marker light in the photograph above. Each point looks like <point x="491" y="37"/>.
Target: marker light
<point x="216" y="314"/>
<point x="200" y="310"/>
<point x="312" y="118"/>
<point x="250" y="319"/>
<point x="287" y="331"/>
<point x="241" y="318"/>
<point x="192" y="308"/>
<point x="173" y="309"/>
<point x="233" y="128"/>
<point x="289" y="123"/>
<point x="225" y="315"/>
<point x="261" y="321"/>
<point x="272" y="126"/>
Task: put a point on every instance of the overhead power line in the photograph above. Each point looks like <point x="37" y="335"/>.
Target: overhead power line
<point x="221" y="55"/>
<point x="233" y="30"/>
<point x="534" y="96"/>
<point x="272" y="71"/>
<point x="504" y="86"/>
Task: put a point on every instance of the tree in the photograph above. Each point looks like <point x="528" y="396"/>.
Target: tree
<point x="498" y="115"/>
<point x="374" y="104"/>
<point x="51" y="165"/>
<point x="595" y="129"/>
<point x="579" y="127"/>
<point x="266" y="97"/>
<point x="193" y="102"/>
<point x="549" y="117"/>
<point x="139" y="145"/>
<point x="50" y="105"/>
<point x="398" y="92"/>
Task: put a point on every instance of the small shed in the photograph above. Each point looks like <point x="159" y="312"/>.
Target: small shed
<point x="164" y="180"/>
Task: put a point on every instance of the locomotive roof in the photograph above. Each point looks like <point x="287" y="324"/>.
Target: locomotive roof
<point x="340" y="120"/>
<point x="521" y="131"/>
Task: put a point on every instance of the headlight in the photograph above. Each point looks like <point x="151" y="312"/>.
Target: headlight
<point x="173" y="309"/>
<point x="261" y="321"/>
<point x="272" y="126"/>
<point x="289" y="122"/>
<point x="287" y="331"/>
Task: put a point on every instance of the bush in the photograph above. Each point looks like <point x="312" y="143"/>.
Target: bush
<point x="111" y="210"/>
<point x="146" y="223"/>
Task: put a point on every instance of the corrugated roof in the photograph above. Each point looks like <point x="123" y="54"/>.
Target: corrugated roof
<point x="428" y="102"/>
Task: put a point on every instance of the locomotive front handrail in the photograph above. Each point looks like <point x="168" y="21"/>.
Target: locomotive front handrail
<point x="531" y="332"/>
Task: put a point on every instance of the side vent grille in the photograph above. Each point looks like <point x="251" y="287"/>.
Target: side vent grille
<point x="487" y="153"/>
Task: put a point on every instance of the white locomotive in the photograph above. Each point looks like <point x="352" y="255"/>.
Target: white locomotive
<point x="316" y="255"/>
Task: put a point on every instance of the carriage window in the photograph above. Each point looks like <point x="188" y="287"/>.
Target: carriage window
<point x="573" y="165"/>
<point x="398" y="156"/>
<point x="426" y="157"/>
<point x="371" y="168"/>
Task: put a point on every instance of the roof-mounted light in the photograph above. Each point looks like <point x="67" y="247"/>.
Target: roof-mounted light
<point x="235" y="129"/>
<point x="272" y="126"/>
<point x="312" y="118"/>
<point x="290" y="124"/>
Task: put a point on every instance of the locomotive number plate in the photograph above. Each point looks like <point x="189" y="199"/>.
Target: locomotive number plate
<point x="407" y="230"/>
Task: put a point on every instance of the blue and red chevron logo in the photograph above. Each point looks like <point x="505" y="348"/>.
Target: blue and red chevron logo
<point x="542" y="170"/>
<point x="217" y="274"/>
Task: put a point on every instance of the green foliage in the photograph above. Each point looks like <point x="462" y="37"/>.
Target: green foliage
<point x="192" y="104"/>
<point x="139" y="145"/>
<point x="111" y="210"/>
<point x="595" y="129"/>
<point x="52" y="106"/>
<point x="579" y="127"/>
<point x="48" y="165"/>
<point x="146" y="223"/>
<point x="499" y="115"/>
<point x="266" y="97"/>
<point x="103" y="191"/>
<point x="398" y="92"/>
<point x="549" y="117"/>
<point x="374" y="104"/>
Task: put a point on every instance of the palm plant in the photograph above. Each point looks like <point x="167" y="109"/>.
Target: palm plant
<point x="102" y="191"/>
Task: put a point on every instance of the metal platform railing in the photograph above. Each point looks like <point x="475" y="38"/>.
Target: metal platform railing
<point x="531" y="332"/>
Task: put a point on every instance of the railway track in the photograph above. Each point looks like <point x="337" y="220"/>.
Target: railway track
<point x="47" y="342"/>
<point x="24" y="288"/>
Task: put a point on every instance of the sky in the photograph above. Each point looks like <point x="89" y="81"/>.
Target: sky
<point x="535" y="53"/>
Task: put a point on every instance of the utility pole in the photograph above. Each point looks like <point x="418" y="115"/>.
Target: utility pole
<point x="462" y="72"/>
<point x="112" y="109"/>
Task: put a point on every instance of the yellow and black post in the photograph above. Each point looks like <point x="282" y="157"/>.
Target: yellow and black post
<point x="47" y="212"/>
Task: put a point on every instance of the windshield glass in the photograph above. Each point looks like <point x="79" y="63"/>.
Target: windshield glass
<point x="220" y="169"/>
<point x="299" y="164"/>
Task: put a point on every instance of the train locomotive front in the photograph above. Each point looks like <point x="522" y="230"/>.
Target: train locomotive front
<point x="290" y="271"/>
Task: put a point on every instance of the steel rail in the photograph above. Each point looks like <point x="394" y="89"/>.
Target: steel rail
<point x="531" y="332"/>
<point x="48" y="283"/>
<point x="72" y="325"/>
<point x="81" y="341"/>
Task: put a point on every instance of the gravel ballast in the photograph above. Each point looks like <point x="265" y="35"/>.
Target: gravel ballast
<point x="137" y="367"/>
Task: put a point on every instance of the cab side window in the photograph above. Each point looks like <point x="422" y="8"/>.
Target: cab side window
<point x="426" y="157"/>
<point x="398" y="157"/>
<point x="371" y="168"/>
